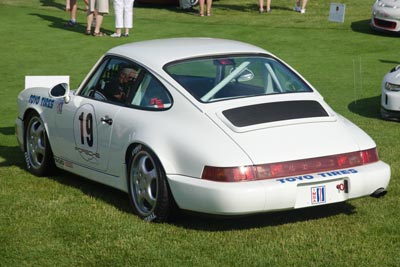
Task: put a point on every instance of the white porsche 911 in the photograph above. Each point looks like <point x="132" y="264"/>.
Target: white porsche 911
<point x="386" y="15"/>
<point x="207" y="125"/>
<point x="390" y="97"/>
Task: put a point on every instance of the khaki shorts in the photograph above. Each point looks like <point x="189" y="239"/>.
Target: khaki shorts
<point x="100" y="5"/>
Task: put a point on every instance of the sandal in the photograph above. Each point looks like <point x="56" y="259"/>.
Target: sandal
<point x="201" y="14"/>
<point x="99" y="34"/>
<point x="88" y="32"/>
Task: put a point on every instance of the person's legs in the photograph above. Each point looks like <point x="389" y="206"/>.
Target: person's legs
<point x="209" y="3"/>
<point x="297" y="6"/>
<point x="74" y="9"/>
<point x="261" y="5"/>
<point x="201" y="4"/>
<point x="91" y="13"/>
<point x="89" y="21"/>
<point x="102" y="8"/>
<point x="119" y="23"/>
<point x="99" y="21"/>
<point x="128" y="15"/>
<point x="268" y="5"/>
<point x="303" y="6"/>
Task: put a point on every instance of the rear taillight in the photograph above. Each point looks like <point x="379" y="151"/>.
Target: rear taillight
<point x="234" y="174"/>
<point x="290" y="168"/>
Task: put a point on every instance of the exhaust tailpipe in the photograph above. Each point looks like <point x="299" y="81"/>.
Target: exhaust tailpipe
<point x="380" y="192"/>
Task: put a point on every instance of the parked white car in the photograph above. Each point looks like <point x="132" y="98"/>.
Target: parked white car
<point x="386" y="15"/>
<point x="207" y="125"/>
<point x="390" y="97"/>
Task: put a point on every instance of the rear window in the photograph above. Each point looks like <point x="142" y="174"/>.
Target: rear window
<point x="222" y="78"/>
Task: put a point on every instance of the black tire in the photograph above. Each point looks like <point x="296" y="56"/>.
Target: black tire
<point x="148" y="187"/>
<point x="38" y="155"/>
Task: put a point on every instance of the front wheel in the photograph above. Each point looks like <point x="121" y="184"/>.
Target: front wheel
<point x="38" y="154"/>
<point x="148" y="188"/>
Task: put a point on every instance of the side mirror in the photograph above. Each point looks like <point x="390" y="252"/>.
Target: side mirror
<point x="60" y="91"/>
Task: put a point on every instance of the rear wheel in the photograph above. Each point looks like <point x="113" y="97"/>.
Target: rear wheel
<point x="38" y="154"/>
<point x="148" y="188"/>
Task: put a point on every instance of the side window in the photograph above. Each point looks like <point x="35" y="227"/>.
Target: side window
<point x="151" y="94"/>
<point x="89" y="89"/>
<point x="113" y="81"/>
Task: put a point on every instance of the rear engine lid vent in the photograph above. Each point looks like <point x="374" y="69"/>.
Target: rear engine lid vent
<point x="273" y="112"/>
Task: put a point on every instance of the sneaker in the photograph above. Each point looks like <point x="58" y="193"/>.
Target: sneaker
<point x="302" y="11"/>
<point x="297" y="8"/>
<point x="70" y="24"/>
<point x="115" y="35"/>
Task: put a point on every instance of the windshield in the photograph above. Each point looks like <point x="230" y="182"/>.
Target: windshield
<point x="215" y="79"/>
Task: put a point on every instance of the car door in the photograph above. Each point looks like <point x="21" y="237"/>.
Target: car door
<point x="87" y="142"/>
<point x="85" y="124"/>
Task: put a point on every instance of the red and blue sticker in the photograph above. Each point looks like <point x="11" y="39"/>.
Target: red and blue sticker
<point x="318" y="195"/>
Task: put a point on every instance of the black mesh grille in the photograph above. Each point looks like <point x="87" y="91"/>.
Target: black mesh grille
<point x="271" y="112"/>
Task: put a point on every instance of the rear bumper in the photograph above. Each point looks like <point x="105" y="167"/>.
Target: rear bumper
<point x="278" y="194"/>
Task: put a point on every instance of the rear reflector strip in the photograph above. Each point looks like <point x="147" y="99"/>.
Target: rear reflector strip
<point x="290" y="168"/>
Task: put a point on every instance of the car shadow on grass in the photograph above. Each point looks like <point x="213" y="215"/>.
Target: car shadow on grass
<point x="203" y="222"/>
<point x="390" y="61"/>
<point x="366" y="107"/>
<point x="212" y="223"/>
<point x="13" y="156"/>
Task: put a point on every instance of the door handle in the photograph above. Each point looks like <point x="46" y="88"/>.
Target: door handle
<point x="107" y="120"/>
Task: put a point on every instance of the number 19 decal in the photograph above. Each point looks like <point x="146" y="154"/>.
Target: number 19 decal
<point x="86" y="128"/>
<point x="85" y="133"/>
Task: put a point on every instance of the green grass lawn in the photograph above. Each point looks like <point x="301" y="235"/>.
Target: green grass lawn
<point x="66" y="220"/>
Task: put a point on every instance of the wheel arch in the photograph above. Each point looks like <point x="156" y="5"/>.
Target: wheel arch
<point x="165" y="164"/>
<point x="28" y="113"/>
